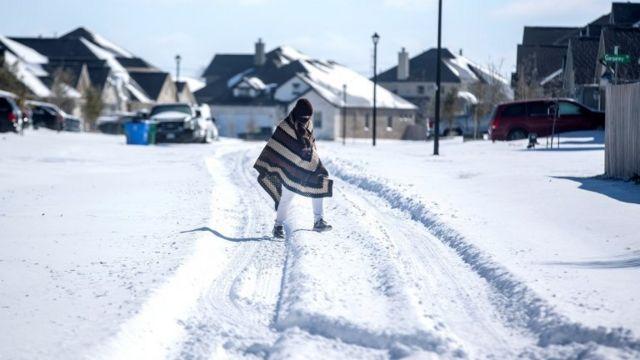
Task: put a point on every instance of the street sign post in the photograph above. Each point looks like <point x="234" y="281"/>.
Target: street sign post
<point x="617" y="58"/>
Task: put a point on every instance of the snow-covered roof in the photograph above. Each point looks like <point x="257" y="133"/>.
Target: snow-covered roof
<point x="287" y="54"/>
<point x="284" y="64"/>
<point x="254" y="82"/>
<point x="551" y="76"/>
<point x="7" y="94"/>
<point x="23" y="52"/>
<point x="109" y="57"/>
<point x="25" y="74"/>
<point x="98" y="40"/>
<point x="194" y="84"/>
<point x="469" y="97"/>
<point x="328" y="79"/>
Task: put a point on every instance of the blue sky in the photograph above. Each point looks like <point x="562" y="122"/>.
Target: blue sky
<point x="487" y="31"/>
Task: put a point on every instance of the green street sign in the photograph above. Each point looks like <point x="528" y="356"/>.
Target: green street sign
<point x="617" y="58"/>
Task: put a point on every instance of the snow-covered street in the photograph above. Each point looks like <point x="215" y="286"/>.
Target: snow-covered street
<point x="110" y="251"/>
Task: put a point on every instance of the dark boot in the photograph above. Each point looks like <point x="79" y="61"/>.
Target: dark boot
<point x="278" y="232"/>
<point x="321" y="226"/>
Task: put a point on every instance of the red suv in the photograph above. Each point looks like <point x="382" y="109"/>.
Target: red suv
<point x="516" y="120"/>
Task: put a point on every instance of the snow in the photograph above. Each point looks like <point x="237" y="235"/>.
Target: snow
<point x="24" y="72"/>
<point x="195" y="84"/>
<point x="328" y="80"/>
<point x="488" y="251"/>
<point x="288" y="54"/>
<point x="23" y="52"/>
<point x="238" y="77"/>
<point x="551" y="76"/>
<point x="108" y="45"/>
<point x="469" y="97"/>
<point x="108" y="56"/>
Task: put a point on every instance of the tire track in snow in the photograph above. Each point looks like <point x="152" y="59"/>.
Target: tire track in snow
<point x="521" y="304"/>
<point x="233" y="317"/>
<point x="347" y="285"/>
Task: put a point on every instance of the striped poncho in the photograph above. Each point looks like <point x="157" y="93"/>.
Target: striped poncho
<point x="284" y="163"/>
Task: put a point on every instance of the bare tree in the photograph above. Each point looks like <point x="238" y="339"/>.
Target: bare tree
<point x="490" y="91"/>
<point x="92" y="106"/>
<point x="62" y="81"/>
<point x="527" y="82"/>
<point x="449" y="107"/>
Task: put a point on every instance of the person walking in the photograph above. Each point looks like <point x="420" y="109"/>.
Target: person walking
<point x="289" y="165"/>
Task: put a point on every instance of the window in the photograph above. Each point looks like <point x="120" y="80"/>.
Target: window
<point x="317" y="120"/>
<point x="538" y="108"/>
<point x="569" y="109"/>
<point x="389" y="123"/>
<point x="421" y="89"/>
<point x="514" y="110"/>
<point x="366" y="121"/>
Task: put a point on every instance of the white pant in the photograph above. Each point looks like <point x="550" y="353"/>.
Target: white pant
<point x="285" y="204"/>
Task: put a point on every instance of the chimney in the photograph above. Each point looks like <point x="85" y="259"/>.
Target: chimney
<point x="403" y="65"/>
<point x="260" y="58"/>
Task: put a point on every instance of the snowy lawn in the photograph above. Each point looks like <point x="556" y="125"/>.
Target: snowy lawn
<point x="121" y="252"/>
<point x="89" y="227"/>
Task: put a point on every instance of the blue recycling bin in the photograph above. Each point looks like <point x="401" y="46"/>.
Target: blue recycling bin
<point x="140" y="132"/>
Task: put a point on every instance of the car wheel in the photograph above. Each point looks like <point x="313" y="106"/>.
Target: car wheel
<point x="517" y="134"/>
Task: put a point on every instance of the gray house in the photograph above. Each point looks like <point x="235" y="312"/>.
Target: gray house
<point x="250" y="94"/>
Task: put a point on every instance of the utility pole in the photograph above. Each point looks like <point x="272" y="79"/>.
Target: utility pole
<point x="436" y="139"/>
<point x="375" y="39"/>
<point x="178" y="58"/>
<point x="344" y="114"/>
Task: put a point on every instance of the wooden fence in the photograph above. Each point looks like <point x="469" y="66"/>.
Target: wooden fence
<point x="622" y="131"/>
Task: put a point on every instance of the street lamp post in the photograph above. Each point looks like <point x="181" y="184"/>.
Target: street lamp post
<point x="436" y="136"/>
<point x="375" y="39"/>
<point x="178" y="58"/>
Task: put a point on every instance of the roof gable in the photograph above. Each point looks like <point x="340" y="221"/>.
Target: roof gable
<point x="628" y="40"/>
<point x="548" y="35"/>
<point x="150" y="81"/>
<point x="625" y="14"/>
<point x="584" y="55"/>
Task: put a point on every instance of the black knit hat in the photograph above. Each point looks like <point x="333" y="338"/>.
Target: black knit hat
<point x="303" y="110"/>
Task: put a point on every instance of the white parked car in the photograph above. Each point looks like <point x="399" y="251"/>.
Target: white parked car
<point x="182" y="122"/>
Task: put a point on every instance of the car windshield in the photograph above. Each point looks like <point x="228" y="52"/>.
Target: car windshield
<point x="171" y="108"/>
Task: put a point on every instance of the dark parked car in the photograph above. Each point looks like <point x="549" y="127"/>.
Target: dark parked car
<point x="52" y="117"/>
<point x="516" y="120"/>
<point x="10" y="113"/>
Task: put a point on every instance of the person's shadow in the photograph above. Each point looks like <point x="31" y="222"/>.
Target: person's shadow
<point x="222" y="236"/>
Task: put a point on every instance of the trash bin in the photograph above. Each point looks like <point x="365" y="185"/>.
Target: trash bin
<point x="153" y="130"/>
<point x="140" y="132"/>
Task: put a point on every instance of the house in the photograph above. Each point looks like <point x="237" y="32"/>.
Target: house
<point x="625" y="14"/>
<point x="579" y="80"/>
<point x="252" y="93"/>
<point x="88" y="59"/>
<point x="555" y="61"/>
<point x="540" y="60"/>
<point x="414" y="79"/>
<point x="623" y="41"/>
